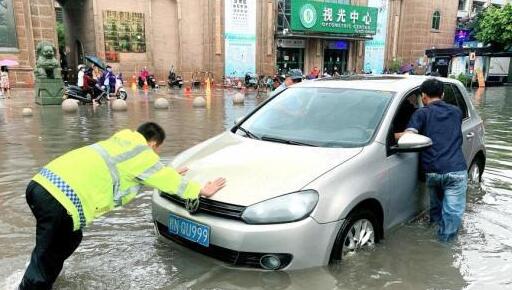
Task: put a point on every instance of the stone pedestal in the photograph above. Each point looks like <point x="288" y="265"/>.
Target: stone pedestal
<point x="49" y="91"/>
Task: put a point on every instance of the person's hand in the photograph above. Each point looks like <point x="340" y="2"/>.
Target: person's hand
<point x="211" y="187"/>
<point x="182" y="170"/>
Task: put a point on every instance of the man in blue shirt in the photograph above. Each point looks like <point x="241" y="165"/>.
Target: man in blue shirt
<point x="444" y="162"/>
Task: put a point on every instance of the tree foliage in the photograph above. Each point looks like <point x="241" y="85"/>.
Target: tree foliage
<point x="61" y="35"/>
<point x="494" y="26"/>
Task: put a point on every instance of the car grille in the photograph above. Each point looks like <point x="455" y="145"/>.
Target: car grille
<point x="212" y="207"/>
<point x="235" y="258"/>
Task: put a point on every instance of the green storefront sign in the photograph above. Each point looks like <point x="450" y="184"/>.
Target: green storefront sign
<point x="317" y="16"/>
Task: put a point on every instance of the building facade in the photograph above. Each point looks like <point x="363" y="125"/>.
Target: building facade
<point x="192" y="37"/>
<point x="417" y="25"/>
<point x="23" y="24"/>
<point x="204" y="35"/>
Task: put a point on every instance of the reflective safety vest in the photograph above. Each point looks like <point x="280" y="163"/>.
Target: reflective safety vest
<point x="92" y="180"/>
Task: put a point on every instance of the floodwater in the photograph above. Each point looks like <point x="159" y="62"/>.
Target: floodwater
<point x="121" y="251"/>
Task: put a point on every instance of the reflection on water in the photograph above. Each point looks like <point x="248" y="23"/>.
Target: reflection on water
<point x="120" y="251"/>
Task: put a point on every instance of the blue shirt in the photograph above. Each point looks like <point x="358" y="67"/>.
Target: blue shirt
<point x="442" y="123"/>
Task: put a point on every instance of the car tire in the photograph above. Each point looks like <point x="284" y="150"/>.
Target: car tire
<point x="347" y="242"/>
<point x="475" y="173"/>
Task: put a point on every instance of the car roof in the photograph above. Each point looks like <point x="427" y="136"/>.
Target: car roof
<point x="391" y="83"/>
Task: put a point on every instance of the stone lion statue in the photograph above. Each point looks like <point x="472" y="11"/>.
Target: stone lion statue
<point x="47" y="65"/>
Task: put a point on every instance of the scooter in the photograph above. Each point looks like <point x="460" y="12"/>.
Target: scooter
<point x="174" y="80"/>
<point x="85" y="97"/>
<point x="251" y="80"/>
<point x="152" y="82"/>
<point x="99" y="94"/>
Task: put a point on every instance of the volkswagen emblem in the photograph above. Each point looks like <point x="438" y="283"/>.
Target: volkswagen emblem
<point x="192" y="205"/>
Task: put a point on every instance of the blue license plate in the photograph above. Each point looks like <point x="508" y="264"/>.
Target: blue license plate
<point x="190" y="230"/>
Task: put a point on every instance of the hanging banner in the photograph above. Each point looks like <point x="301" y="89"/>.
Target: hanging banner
<point x="375" y="48"/>
<point x="240" y="37"/>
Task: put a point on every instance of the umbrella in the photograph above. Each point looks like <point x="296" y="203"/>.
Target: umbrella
<point x="8" y="62"/>
<point x="96" y="61"/>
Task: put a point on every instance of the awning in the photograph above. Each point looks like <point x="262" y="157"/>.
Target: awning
<point x="457" y="51"/>
<point x="323" y="36"/>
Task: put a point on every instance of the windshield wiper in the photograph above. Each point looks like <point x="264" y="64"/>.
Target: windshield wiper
<point x="286" y="141"/>
<point x="248" y="133"/>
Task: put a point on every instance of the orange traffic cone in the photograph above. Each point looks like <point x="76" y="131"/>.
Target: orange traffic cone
<point x="134" y="82"/>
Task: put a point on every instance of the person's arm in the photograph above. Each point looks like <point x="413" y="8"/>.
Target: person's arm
<point x="415" y="124"/>
<point x="168" y="180"/>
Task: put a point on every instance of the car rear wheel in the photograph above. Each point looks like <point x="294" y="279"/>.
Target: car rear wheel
<point x="358" y="233"/>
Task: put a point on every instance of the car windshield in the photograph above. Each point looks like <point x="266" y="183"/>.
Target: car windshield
<point x="326" y="117"/>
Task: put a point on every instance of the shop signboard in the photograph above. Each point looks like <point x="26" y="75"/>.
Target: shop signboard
<point x="291" y="43"/>
<point x="315" y="16"/>
<point x="240" y="37"/>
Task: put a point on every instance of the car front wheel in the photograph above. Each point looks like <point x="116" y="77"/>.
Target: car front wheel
<point x="474" y="173"/>
<point x="358" y="233"/>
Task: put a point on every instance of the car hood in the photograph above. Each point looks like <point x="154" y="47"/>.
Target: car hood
<point x="257" y="170"/>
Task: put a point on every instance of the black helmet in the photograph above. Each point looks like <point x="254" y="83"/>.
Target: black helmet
<point x="295" y="74"/>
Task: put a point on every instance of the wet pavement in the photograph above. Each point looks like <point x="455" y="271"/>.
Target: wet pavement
<point x="120" y="251"/>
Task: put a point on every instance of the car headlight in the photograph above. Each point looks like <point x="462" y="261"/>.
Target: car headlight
<point x="287" y="208"/>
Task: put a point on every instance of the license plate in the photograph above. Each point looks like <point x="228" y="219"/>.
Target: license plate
<point x="190" y="230"/>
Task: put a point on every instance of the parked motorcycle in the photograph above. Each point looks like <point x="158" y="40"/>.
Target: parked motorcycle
<point x="251" y="80"/>
<point x="174" y="80"/>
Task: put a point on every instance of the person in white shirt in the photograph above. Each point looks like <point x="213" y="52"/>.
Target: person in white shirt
<point x="81" y="72"/>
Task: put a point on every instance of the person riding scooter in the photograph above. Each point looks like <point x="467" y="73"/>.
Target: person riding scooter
<point x="108" y="79"/>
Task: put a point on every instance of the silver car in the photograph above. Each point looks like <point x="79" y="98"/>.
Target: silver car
<point x="314" y="174"/>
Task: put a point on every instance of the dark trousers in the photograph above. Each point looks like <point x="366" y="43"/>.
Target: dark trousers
<point x="55" y="239"/>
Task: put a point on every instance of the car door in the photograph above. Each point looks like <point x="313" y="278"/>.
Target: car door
<point x="452" y="95"/>
<point x="405" y="198"/>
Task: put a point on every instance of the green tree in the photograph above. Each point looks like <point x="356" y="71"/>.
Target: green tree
<point x="61" y="35"/>
<point x="494" y="26"/>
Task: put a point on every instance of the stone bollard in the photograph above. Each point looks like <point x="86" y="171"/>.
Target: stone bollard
<point x="69" y="105"/>
<point x="238" y="98"/>
<point x="26" y="112"/>
<point x="161" y="103"/>
<point x="119" y="105"/>
<point x="199" y="102"/>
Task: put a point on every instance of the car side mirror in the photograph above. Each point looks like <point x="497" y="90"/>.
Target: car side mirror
<point x="410" y="142"/>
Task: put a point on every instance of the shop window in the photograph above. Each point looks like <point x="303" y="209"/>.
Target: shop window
<point x="462" y="5"/>
<point x="436" y="20"/>
<point x="284" y="13"/>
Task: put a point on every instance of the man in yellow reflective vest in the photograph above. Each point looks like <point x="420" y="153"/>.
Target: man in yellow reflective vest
<point x="72" y="190"/>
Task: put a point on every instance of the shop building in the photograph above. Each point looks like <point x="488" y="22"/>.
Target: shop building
<point x="329" y="35"/>
<point x="23" y="24"/>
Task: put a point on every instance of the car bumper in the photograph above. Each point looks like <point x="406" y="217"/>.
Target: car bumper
<point x="307" y="243"/>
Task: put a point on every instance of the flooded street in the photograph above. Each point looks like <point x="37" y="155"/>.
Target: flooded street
<point x="121" y="251"/>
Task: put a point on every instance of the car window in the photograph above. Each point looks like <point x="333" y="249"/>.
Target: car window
<point x="327" y="117"/>
<point x="407" y="107"/>
<point x="449" y="96"/>
<point x="460" y="101"/>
